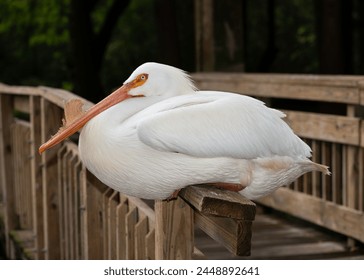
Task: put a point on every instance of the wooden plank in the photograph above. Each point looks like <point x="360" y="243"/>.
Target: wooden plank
<point x="214" y="201"/>
<point x="105" y="216"/>
<point x="60" y="97"/>
<point x="61" y="216"/>
<point x="150" y="240"/>
<point x="95" y="224"/>
<point x="338" y="129"/>
<point x="173" y="230"/>
<point x="6" y="158"/>
<point x="83" y="214"/>
<point x="20" y="90"/>
<point x="327" y="214"/>
<point x="112" y="206"/>
<point x="22" y="173"/>
<point x="302" y="87"/>
<point x="233" y="234"/>
<point x="77" y="207"/>
<point x="121" y="212"/>
<point x="352" y="183"/>
<point x="131" y="220"/>
<point x="141" y="231"/>
<point x="50" y="119"/>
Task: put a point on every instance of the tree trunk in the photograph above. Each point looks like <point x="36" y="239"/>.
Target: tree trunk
<point x="167" y="31"/>
<point x="88" y="49"/>
<point x="335" y="36"/>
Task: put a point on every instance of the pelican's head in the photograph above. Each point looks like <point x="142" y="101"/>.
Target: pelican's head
<point x="149" y="79"/>
<point x="155" y="79"/>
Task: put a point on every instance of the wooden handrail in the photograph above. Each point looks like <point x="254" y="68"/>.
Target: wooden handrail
<point x="73" y="215"/>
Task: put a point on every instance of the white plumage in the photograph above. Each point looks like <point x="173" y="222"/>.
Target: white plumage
<point x="166" y="135"/>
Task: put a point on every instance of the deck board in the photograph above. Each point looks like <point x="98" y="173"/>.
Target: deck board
<point x="277" y="237"/>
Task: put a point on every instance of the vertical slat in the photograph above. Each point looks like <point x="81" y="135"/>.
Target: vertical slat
<point x="141" y="231"/>
<point x="95" y="218"/>
<point x="61" y="215"/>
<point x="326" y="180"/>
<point x="48" y="230"/>
<point x="121" y="212"/>
<point x="174" y="237"/>
<point x="315" y="175"/>
<point x="105" y="220"/>
<point x="36" y="166"/>
<point x="77" y="208"/>
<point x="72" y="205"/>
<point x="66" y="203"/>
<point x="336" y="173"/>
<point x="360" y="179"/>
<point x="150" y="239"/>
<point x="352" y="177"/>
<point x="113" y="203"/>
<point x="83" y="214"/>
<point x="6" y="156"/>
<point x="131" y="220"/>
<point x="22" y="172"/>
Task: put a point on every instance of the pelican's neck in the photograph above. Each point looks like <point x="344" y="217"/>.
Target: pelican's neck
<point x="122" y="111"/>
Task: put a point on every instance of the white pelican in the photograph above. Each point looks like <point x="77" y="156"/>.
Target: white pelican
<point x="157" y="134"/>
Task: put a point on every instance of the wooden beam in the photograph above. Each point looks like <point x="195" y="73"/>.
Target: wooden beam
<point x="338" y="129"/>
<point x="174" y="230"/>
<point x="234" y="234"/>
<point x="224" y="215"/>
<point x="213" y="201"/>
<point x="302" y="87"/>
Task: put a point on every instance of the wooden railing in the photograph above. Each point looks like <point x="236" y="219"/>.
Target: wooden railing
<point x="51" y="207"/>
<point x="328" y="112"/>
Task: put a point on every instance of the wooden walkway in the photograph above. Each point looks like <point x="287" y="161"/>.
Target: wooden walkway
<point x="277" y="236"/>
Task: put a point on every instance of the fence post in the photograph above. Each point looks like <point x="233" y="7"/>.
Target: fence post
<point x="174" y="230"/>
<point x="6" y="164"/>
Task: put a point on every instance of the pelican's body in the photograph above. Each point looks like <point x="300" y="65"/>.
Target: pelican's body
<point x="170" y="136"/>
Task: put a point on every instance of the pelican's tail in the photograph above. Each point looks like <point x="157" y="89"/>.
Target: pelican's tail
<point x="268" y="174"/>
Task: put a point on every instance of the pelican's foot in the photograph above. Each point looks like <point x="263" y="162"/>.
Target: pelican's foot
<point x="228" y="186"/>
<point x="173" y="196"/>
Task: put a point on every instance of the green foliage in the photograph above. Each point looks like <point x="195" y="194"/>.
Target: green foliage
<point x="33" y="42"/>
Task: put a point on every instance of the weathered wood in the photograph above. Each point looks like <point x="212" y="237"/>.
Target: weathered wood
<point x="304" y="87"/>
<point x="173" y="230"/>
<point x="83" y="214"/>
<point x="95" y="223"/>
<point x="131" y="220"/>
<point x="141" y="231"/>
<point x="121" y="212"/>
<point x="111" y="220"/>
<point x="6" y="159"/>
<point x="22" y="173"/>
<point x="37" y="170"/>
<point x="327" y="214"/>
<point x="213" y="201"/>
<point x="46" y="197"/>
<point x="338" y="129"/>
<point x="234" y="234"/>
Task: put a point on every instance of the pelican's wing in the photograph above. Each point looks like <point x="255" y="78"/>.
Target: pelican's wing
<point x="217" y="124"/>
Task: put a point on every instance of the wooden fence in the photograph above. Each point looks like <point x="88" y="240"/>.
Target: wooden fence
<point x="51" y="207"/>
<point x="328" y="113"/>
